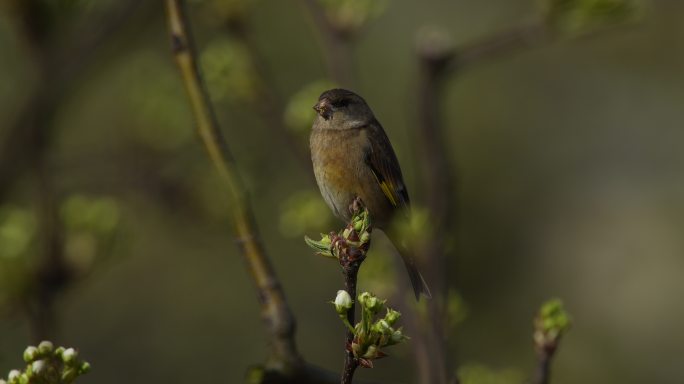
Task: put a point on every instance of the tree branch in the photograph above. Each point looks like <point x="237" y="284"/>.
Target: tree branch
<point x="350" y="271"/>
<point x="274" y="309"/>
<point x="439" y="181"/>
<point x="270" y="106"/>
<point x="58" y="67"/>
<point x="27" y="140"/>
<point x="506" y="42"/>
<point x="543" y="370"/>
<point x="335" y="45"/>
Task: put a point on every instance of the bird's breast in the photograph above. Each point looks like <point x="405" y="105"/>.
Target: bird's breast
<point x="339" y="162"/>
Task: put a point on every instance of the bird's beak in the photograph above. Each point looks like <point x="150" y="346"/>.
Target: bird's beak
<point x="324" y="109"/>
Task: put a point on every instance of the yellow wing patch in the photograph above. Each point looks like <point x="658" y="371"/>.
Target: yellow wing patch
<point x="388" y="192"/>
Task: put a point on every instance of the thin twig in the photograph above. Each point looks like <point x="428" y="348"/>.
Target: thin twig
<point x="350" y="272"/>
<point x="274" y="309"/>
<point x="350" y="258"/>
<point x="506" y="42"/>
<point x="543" y="370"/>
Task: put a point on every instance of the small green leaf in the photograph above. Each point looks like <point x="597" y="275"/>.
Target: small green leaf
<point x="321" y="247"/>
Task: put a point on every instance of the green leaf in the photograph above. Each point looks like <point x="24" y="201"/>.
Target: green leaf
<point x="321" y="247"/>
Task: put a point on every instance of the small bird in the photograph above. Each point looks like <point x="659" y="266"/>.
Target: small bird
<point x="352" y="156"/>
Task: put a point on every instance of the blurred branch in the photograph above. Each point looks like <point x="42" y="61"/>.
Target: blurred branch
<point x="335" y="44"/>
<point x="438" y="60"/>
<point x="28" y="139"/>
<point x="550" y="325"/>
<point x="499" y="44"/>
<point x="52" y="274"/>
<point x="58" y="67"/>
<point x="285" y="364"/>
<point x="438" y="178"/>
<point x="274" y="309"/>
<point x="270" y="106"/>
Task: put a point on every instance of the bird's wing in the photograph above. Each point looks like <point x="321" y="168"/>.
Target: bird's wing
<point x="383" y="162"/>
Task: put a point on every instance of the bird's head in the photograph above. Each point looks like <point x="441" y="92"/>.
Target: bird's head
<point x="342" y="109"/>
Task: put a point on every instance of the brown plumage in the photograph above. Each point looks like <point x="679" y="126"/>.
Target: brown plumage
<point x="352" y="156"/>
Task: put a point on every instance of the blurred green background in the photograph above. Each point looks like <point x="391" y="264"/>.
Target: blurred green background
<point x="569" y="160"/>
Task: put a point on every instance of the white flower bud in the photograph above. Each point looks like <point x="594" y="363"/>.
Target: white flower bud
<point x="30" y="353"/>
<point x="343" y="302"/>
<point x="69" y="355"/>
<point x="13" y="375"/>
<point x="38" y="366"/>
<point x="45" y="347"/>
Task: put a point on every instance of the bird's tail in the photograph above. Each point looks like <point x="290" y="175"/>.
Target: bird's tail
<point x="419" y="285"/>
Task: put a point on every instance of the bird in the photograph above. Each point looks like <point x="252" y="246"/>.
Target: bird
<point x="353" y="157"/>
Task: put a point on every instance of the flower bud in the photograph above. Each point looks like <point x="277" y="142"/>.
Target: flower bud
<point x="357" y="223"/>
<point x="343" y="302"/>
<point x="373" y="304"/>
<point x="356" y="349"/>
<point x="45" y="347"/>
<point x="13" y="375"/>
<point x="68" y="375"/>
<point x="30" y="353"/>
<point x="392" y="316"/>
<point x="69" y="355"/>
<point x="363" y="298"/>
<point x="85" y="367"/>
<point x="382" y="327"/>
<point x="397" y="337"/>
<point x="371" y="352"/>
<point x="38" y="366"/>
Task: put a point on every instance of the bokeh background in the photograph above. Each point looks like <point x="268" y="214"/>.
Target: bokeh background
<point x="568" y="156"/>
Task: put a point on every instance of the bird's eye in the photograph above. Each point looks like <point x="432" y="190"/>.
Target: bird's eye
<point x="341" y="103"/>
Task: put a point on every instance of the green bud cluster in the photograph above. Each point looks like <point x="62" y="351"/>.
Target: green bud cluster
<point x="371" y="334"/>
<point x="356" y="236"/>
<point x="48" y="365"/>
<point x="550" y="324"/>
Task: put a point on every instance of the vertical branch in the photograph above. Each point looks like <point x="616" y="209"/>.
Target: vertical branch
<point x="543" y="369"/>
<point x="350" y="271"/>
<point x="439" y="181"/>
<point x="28" y="139"/>
<point x="52" y="274"/>
<point x="274" y="308"/>
<point x="270" y="106"/>
<point x="351" y="256"/>
<point x="336" y="44"/>
<point x="58" y="68"/>
<point x="550" y="324"/>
